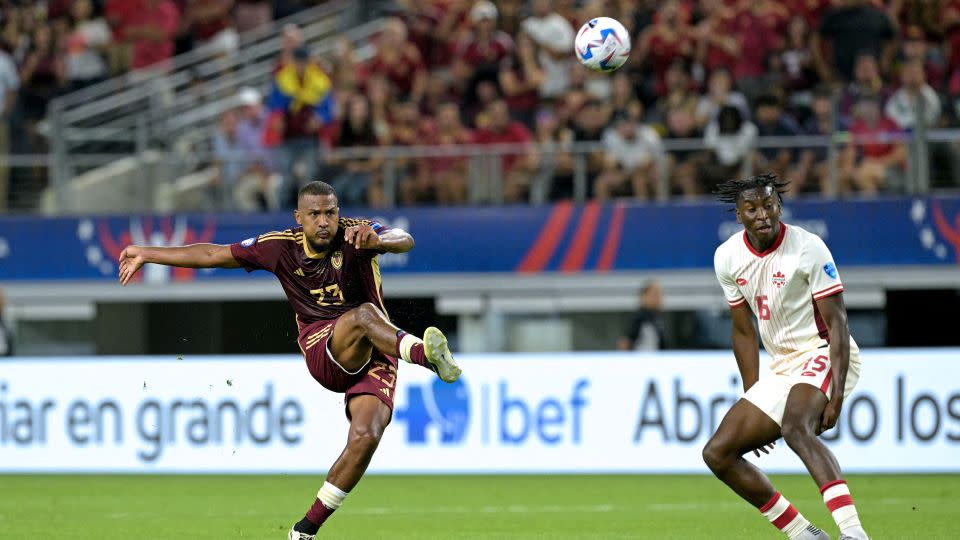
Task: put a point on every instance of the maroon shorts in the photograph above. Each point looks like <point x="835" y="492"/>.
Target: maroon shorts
<point x="378" y="377"/>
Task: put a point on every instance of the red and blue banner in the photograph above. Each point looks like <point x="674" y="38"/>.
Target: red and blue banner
<point x="555" y="238"/>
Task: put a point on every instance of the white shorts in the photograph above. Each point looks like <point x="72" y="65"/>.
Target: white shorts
<point x="770" y="393"/>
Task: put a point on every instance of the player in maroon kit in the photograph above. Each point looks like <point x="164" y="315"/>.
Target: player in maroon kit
<point x="328" y="269"/>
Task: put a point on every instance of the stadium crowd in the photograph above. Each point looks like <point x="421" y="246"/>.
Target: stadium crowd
<point x="457" y="72"/>
<point x="51" y="47"/>
<point x="722" y="72"/>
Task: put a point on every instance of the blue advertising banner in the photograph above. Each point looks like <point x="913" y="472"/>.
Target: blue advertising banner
<point x="557" y="238"/>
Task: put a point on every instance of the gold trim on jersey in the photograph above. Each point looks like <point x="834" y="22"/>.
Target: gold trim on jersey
<point x="378" y="282"/>
<point x="283" y="235"/>
<point x="308" y="251"/>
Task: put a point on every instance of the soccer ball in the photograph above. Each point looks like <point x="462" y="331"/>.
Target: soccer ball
<point x="602" y="44"/>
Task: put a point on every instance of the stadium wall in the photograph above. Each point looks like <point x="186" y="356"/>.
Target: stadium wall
<point x="539" y="413"/>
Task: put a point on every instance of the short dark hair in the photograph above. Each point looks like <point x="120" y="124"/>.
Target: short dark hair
<point x="732" y="190"/>
<point x="767" y="100"/>
<point x="316" y="188"/>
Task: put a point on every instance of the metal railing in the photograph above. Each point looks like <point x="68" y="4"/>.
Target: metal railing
<point x="202" y="181"/>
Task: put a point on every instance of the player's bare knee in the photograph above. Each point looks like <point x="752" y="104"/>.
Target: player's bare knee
<point x="365" y="437"/>
<point x="713" y="455"/>
<point x="796" y="433"/>
<point x="367" y="315"/>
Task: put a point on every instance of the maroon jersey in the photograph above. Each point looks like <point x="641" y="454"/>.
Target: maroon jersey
<point x="319" y="286"/>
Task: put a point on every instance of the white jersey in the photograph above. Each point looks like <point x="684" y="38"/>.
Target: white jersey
<point x="781" y="286"/>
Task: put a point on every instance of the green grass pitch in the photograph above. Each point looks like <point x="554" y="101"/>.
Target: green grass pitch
<point x="455" y="507"/>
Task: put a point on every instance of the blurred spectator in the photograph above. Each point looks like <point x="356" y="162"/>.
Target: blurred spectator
<point x="870" y="162"/>
<point x="554" y="178"/>
<point x="484" y="47"/>
<point x="211" y="24"/>
<point x="716" y="43"/>
<point x="441" y="179"/>
<point x="423" y="19"/>
<point x="291" y="39"/>
<point x="730" y="138"/>
<point x="515" y="167"/>
<point x="634" y="156"/>
<point x="6" y="338"/>
<point x="950" y="23"/>
<point x="149" y="27"/>
<point x="812" y="173"/>
<point x="646" y="329"/>
<point x="757" y="27"/>
<point x="400" y="61"/>
<point x="553" y="34"/>
<point x="251" y="14"/>
<point x="772" y="121"/>
<point x="42" y="74"/>
<point x="252" y="120"/>
<point x="799" y="69"/>
<point x="356" y="174"/>
<point x="622" y="97"/>
<point x="679" y="93"/>
<point x="243" y="182"/>
<point x="300" y="102"/>
<point x="662" y="43"/>
<point x="810" y="10"/>
<point x="406" y="127"/>
<point x="916" y="49"/>
<point x="866" y="81"/>
<point x="119" y="51"/>
<point x="85" y="46"/>
<point x="913" y="95"/>
<point x="520" y="80"/>
<point x="850" y="28"/>
<point x="719" y="95"/>
<point x="9" y="85"/>
<point x="684" y="165"/>
<point x="589" y="122"/>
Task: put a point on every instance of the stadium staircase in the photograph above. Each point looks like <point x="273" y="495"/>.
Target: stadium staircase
<point x="118" y="144"/>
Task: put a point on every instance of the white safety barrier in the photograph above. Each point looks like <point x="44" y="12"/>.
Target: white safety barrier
<point x="567" y="413"/>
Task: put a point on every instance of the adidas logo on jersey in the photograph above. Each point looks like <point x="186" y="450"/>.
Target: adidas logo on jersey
<point x="299" y="272"/>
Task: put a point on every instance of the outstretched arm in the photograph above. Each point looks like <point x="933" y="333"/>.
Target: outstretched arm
<point x="193" y="256"/>
<point x="392" y="241"/>
<point x="745" y="347"/>
<point x="834" y="314"/>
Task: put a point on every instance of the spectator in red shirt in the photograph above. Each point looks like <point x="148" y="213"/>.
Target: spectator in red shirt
<point x="667" y="40"/>
<point x="442" y="178"/>
<point x="516" y="168"/>
<point x="150" y="30"/>
<point x="210" y="23"/>
<point x="479" y="54"/>
<point x="867" y="163"/>
<point x="400" y="61"/>
<point x="520" y="79"/>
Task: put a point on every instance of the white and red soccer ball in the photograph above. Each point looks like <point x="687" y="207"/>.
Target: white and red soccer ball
<point x="602" y="44"/>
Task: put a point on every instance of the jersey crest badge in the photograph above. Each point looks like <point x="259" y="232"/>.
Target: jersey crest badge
<point x="779" y="279"/>
<point x="337" y="259"/>
<point x="830" y="270"/>
<point x="741" y="282"/>
<point x="248" y="242"/>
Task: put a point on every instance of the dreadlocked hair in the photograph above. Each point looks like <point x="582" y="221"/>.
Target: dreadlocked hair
<point x="731" y="190"/>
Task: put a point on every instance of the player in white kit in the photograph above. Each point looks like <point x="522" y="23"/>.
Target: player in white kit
<point x="786" y="277"/>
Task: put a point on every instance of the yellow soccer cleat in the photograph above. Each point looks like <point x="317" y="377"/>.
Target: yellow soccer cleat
<point x="438" y="353"/>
